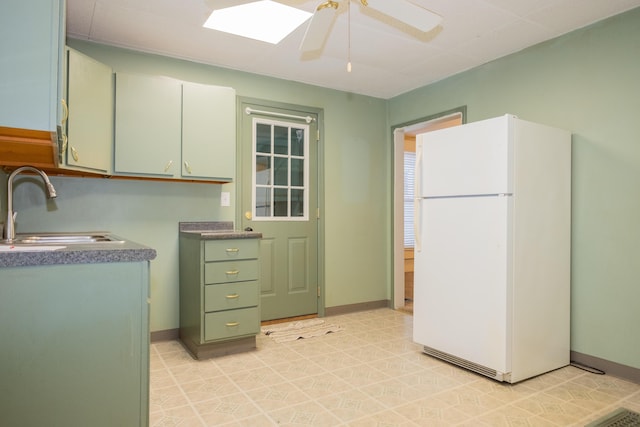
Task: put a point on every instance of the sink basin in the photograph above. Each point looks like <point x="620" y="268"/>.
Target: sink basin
<point x="65" y="238"/>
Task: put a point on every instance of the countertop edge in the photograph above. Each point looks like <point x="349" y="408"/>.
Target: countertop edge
<point x="79" y="254"/>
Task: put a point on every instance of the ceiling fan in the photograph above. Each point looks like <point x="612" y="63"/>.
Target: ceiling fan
<point x="401" y="10"/>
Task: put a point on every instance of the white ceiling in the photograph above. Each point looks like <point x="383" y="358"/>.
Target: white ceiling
<point x="388" y="58"/>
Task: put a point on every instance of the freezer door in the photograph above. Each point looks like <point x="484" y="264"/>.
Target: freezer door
<point x="461" y="279"/>
<point x="464" y="160"/>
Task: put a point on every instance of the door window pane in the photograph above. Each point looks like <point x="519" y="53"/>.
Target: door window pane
<point x="297" y="172"/>
<point x="280" y="140"/>
<point x="263" y="170"/>
<point x="297" y="202"/>
<point x="263" y="138"/>
<point x="297" y="142"/>
<point x="281" y="202"/>
<point x="263" y="202"/>
<point x="280" y="170"/>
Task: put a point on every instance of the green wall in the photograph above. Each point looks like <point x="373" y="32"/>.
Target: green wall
<point x="589" y="83"/>
<point x="356" y="178"/>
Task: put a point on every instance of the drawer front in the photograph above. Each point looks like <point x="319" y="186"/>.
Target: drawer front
<point x="221" y="250"/>
<point x="228" y="296"/>
<point x="231" y="323"/>
<point x="230" y="271"/>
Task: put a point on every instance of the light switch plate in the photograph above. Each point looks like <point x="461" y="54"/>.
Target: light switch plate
<point x="225" y="198"/>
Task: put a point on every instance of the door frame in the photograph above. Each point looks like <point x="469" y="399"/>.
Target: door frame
<point x="241" y="105"/>
<point x="397" y="207"/>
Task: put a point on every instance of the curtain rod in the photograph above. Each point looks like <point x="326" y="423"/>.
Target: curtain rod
<point x="307" y="119"/>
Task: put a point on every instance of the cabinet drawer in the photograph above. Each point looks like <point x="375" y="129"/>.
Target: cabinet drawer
<point x="227" y="296"/>
<point x="221" y="250"/>
<point x="230" y="271"/>
<point x="231" y="323"/>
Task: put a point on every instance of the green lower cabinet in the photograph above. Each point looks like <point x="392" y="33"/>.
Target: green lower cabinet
<point x="75" y="345"/>
<point x="219" y="295"/>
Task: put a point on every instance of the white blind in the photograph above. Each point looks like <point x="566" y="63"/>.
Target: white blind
<point x="409" y="172"/>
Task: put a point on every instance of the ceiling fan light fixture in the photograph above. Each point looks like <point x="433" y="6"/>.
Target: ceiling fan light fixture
<point x="263" y="20"/>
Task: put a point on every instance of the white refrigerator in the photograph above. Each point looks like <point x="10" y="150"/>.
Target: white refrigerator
<point x="493" y="242"/>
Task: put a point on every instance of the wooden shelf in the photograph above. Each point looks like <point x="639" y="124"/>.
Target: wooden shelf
<point x="19" y="147"/>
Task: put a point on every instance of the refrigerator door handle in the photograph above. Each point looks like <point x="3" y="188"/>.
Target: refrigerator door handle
<point x="417" y="176"/>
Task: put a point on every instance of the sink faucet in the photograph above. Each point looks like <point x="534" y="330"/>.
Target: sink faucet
<point x="9" y="225"/>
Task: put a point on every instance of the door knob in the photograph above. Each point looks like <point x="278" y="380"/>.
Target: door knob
<point x="247" y="215"/>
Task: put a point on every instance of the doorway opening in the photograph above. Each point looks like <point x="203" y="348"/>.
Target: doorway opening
<point x="404" y="140"/>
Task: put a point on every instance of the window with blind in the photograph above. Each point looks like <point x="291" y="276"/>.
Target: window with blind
<point x="409" y="172"/>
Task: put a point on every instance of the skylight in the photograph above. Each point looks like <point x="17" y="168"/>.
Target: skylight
<point x="263" y="20"/>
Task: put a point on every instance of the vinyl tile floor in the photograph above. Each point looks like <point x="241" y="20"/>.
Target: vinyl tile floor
<point x="369" y="374"/>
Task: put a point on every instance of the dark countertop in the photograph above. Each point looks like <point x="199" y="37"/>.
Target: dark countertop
<point x="90" y="253"/>
<point x="215" y="230"/>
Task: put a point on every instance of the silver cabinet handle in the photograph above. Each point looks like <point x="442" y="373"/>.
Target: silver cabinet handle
<point x="168" y="165"/>
<point x="232" y="250"/>
<point x="74" y="154"/>
<point x="187" y="167"/>
<point x="63" y="124"/>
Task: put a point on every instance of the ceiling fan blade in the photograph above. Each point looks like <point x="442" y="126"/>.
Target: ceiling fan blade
<point x="319" y="26"/>
<point x="222" y="4"/>
<point x="407" y="12"/>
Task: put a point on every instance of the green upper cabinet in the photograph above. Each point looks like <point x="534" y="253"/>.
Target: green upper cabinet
<point x="90" y="98"/>
<point x="166" y="128"/>
<point x="32" y="40"/>
<point x="208" y="132"/>
<point x="148" y="126"/>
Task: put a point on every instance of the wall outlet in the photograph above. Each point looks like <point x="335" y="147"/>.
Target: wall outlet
<point x="225" y="198"/>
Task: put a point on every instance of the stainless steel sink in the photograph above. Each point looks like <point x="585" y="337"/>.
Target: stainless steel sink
<point x="65" y="238"/>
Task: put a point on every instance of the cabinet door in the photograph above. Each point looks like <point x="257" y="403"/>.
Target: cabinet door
<point x="148" y="125"/>
<point x="90" y="122"/>
<point x="75" y="345"/>
<point x="208" y="132"/>
<point x="32" y="46"/>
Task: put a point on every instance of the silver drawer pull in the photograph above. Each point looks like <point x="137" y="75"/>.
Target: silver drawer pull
<point x="231" y="324"/>
<point x="233" y="296"/>
<point x="232" y="272"/>
<point x="232" y="250"/>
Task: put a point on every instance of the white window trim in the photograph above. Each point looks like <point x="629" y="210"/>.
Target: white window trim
<point x="286" y="124"/>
